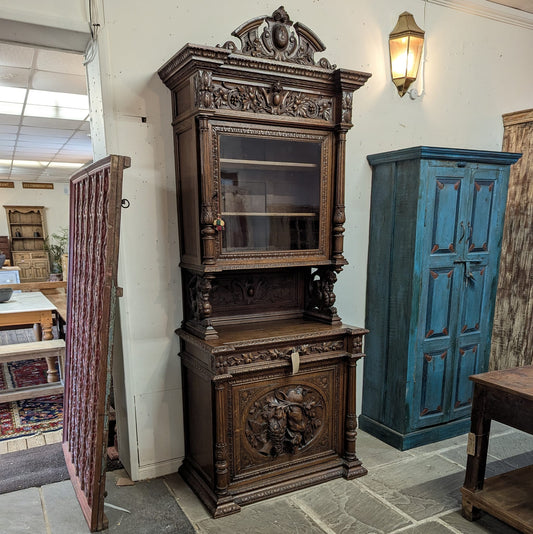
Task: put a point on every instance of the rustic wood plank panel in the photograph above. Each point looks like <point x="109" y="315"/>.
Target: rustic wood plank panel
<point x="512" y="337"/>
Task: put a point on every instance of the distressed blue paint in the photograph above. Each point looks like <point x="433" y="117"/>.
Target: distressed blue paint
<point x="467" y="364"/>
<point x="447" y="196"/>
<point x="435" y="231"/>
<point x="440" y="285"/>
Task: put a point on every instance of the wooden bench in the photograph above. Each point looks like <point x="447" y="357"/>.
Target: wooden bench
<point x="54" y="348"/>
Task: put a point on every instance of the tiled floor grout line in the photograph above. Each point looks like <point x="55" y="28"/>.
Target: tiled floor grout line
<point x="439" y="452"/>
<point x="45" y="515"/>
<point x="437" y="518"/>
<point x="450" y="527"/>
<point x="384" y="501"/>
<point x="463" y="467"/>
<point x="311" y="514"/>
<point x="193" y="522"/>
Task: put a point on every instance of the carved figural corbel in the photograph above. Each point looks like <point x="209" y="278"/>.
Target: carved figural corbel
<point x="284" y="420"/>
<point x="199" y="288"/>
<point x="320" y="295"/>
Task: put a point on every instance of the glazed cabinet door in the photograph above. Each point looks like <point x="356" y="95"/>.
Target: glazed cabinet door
<point x="270" y="191"/>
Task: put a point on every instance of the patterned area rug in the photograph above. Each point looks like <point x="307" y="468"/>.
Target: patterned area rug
<point x="32" y="416"/>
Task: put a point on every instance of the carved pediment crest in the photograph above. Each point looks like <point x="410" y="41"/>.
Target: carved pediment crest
<point x="278" y="38"/>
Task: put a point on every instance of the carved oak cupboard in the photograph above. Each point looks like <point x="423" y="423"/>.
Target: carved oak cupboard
<point x="435" y="235"/>
<point x="27" y="233"/>
<point x="268" y="366"/>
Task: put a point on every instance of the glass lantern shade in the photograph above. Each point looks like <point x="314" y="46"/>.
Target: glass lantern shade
<point x="405" y="46"/>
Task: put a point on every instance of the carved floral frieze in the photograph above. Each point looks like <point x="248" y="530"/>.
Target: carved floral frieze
<point x="273" y="100"/>
<point x="278" y="353"/>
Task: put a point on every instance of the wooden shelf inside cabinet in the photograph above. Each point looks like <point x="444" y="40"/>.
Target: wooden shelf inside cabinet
<point x="235" y="164"/>
<point x="262" y="214"/>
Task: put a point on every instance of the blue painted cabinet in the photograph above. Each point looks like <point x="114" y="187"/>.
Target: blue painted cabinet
<point x="435" y="233"/>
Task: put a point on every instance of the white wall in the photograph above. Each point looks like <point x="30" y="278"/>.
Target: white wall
<point x="54" y="200"/>
<point x="475" y="70"/>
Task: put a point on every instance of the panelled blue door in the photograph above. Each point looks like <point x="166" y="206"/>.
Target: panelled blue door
<point x="459" y="273"/>
<point x="436" y="225"/>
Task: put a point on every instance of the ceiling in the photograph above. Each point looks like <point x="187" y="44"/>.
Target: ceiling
<point x="44" y="126"/>
<point x="44" y="115"/>
<point x="523" y="5"/>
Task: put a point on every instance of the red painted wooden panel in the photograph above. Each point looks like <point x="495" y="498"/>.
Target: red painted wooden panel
<point x="95" y="203"/>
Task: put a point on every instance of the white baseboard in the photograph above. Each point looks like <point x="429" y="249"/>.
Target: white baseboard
<point x="159" y="469"/>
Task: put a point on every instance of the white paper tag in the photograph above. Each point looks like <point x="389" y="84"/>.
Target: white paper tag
<point x="295" y="359"/>
<point x="471" y="444"/>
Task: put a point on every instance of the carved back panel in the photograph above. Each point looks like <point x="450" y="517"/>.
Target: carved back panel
<point x="95" y="201"/>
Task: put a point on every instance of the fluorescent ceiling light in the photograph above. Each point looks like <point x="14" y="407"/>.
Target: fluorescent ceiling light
<point x="49" y="104"/>
<point x="53" y="98"/>
<point x="10" y="108"/>
<point x="65" y="165"/>
<point x="12" y="94"/>
<point x="55" y="112"/>
<point x="42" y="164"/>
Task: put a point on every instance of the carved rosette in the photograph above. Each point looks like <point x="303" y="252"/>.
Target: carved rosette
<point x="280" y="40"/>
<point x="282" y="353"/>
<point x="285" y="420"/>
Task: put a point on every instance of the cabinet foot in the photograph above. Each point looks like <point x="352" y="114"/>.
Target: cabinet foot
<point x="218" y="506"/>
<point x="469" y="511"/>
<point x="353" y="469"/>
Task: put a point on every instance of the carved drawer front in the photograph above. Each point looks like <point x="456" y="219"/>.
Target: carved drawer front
<point x="21" y="256"/>
<point x="283" y="420"/>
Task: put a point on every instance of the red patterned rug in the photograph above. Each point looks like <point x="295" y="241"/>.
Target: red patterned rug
<point x="32" y="416"/>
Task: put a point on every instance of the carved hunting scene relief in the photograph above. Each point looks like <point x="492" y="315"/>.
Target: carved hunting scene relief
<point x="285" y="420"/>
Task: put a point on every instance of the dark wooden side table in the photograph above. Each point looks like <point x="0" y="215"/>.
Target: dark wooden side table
<point x="505" y="396"/>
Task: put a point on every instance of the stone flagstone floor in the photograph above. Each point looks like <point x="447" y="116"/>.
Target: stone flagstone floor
<point x="411" y="492"/>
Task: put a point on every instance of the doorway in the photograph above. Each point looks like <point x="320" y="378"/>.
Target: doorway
<point x="44" y="138"/>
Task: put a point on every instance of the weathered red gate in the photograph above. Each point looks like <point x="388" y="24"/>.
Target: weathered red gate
<point x="95" y="203"/>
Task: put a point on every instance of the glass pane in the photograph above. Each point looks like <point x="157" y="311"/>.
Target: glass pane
<point x="270" y="194"/>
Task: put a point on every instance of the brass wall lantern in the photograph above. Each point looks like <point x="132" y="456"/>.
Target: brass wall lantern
<point x="405" y="46"/>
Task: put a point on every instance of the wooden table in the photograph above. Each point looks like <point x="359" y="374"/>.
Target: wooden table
<point x="505" y="396"/>
<point x="32" y="308"/>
